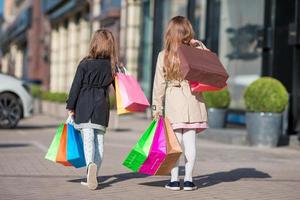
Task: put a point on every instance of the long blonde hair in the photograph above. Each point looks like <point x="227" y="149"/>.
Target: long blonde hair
<point x="103" y="45"/>
<point x="179" y="31"/>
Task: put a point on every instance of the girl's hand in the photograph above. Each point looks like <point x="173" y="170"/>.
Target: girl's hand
<point x="71" y="112"/>
<point x="156" y="115"/>
<point x="194" y="42"/>
<point x="198" y="44"/>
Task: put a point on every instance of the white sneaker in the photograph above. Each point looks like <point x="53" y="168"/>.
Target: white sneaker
<point x="175" y="186"/>
<point x="189" y="186"/>
<point x="92" y="182"/>
<point x="83" y="183"/>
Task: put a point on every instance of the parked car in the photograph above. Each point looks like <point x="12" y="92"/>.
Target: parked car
<point x="16" y="101"/>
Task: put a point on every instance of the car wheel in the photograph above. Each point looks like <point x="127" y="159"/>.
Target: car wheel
<point x="10" y="110"/>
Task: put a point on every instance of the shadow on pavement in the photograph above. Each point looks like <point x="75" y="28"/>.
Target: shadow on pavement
<point x="108" y="181"/>
<point x="122" y="129"/>
<point x="24" y="127"/>
<point x="14" y="145"/>
<point x="218" y="177"/>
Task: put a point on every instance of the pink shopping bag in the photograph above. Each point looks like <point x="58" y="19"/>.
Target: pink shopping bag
<point x="158" y="151"/>
<point x="133" y="97"/>
<point x="120" y="108"/>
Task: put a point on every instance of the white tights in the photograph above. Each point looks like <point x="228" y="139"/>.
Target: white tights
<point x="93" y="146"/>
<point x="189" y="141"/>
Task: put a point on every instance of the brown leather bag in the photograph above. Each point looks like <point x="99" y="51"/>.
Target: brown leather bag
<point x="202" y="66"/>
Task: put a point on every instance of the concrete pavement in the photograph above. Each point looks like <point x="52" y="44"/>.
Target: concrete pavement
<point x="221" y="172"/>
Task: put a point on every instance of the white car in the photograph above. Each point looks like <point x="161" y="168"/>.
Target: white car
<point x="16" y="101"/>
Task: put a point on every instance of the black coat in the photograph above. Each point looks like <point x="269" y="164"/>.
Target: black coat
<point x="89" y="96"/>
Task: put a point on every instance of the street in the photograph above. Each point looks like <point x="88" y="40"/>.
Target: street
<point x="221" y="171"/>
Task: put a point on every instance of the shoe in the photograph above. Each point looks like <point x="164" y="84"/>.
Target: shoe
<point x="175" y="185"/>
<point x="92" y="182"/>
<point x="189" y="186"/>
<point x="83" y="183"/>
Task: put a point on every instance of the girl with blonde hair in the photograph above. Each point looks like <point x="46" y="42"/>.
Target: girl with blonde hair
<point x="173" y="98"/>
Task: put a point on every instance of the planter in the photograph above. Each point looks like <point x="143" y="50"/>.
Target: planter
<point x="54" y="109"/>
<point x="216" y="117"/>
<point x="37" y="105"/>
<point x="264" y="129"/>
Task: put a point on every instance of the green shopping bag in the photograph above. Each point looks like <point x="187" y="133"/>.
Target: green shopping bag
<point x="140" y="151"/>
<point x="53" y="149"/>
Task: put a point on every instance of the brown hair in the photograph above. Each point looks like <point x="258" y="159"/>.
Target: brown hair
<point x="179" y="31"/>
<point x="103" y="45"/>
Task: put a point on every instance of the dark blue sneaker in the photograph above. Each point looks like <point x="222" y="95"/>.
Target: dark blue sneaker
<point x="175" y="185"/>
<point x="189" y="186"/>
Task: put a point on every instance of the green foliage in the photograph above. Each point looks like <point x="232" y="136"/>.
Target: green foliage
<point x="60" y="97"/>
<point x="112" y="101"/>
<point x="36" y="91"/>
<point x="266" y="95"/>
<point x="217" y="99"/>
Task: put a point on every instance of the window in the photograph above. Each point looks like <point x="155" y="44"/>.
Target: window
<point x="240" y="20"/>
<point x="108" y="4"/>
<point x="199" y="19"/>
<point x="172" y="8"/>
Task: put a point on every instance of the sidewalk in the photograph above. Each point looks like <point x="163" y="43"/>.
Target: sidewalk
<point x="222" y="171"/>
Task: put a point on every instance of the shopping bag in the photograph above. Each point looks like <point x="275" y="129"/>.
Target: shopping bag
<point x="173" y="150"/>
<point x="140" y="151"/>
<point x="75" y="152"/>
<point x="133" y="97"/>
<point x="61" y="156"/>
<point x="53" y="149"/>
<point x="201" y="87"/>
<point x="158" y="151"/>
<point x="120" y="108"/>
<point x="201" y="66"/>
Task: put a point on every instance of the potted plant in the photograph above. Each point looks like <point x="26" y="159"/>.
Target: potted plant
<point x="217" y="103"/>
<point x="265" y="100"/>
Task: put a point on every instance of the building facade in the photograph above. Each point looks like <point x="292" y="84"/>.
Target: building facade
<point x="1" y="35"/>
<point x="69" y="39"/>
<point x="44" y="41"/>
<point x="72" y="25"/>
<point x="24" y="41"/>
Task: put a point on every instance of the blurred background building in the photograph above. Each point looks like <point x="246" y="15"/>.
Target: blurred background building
<point x="24" y="41"/>
<point x="44" y="40"/>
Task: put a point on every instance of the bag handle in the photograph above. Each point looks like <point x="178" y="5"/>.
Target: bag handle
<point x="121" y="69"/>
<point x="70" y="120"/>
<point x="203" y="47"/>
<point x="198" y="44"/>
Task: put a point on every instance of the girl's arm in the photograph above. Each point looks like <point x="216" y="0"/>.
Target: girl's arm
<point x="75" y="88"/>
<point x="159" y="87"/>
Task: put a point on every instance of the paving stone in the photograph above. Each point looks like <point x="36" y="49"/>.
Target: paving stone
<point x="221" y="172"/>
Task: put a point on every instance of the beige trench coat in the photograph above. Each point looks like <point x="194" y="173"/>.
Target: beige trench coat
<point x="181" y="105"/>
